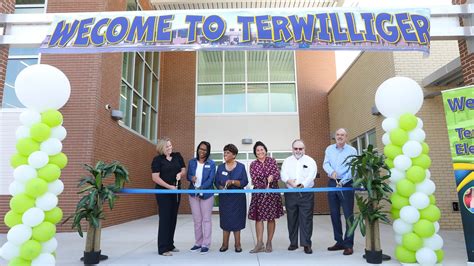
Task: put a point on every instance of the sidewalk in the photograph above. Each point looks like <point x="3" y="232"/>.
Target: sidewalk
<point x="134" y="243"/>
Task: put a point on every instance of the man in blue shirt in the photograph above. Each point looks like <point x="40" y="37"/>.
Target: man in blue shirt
<point x="340" y="176"/>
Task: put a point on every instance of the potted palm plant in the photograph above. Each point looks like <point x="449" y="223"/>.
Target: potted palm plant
<point x="91" y="206"/>
<point x="370" y="172"/>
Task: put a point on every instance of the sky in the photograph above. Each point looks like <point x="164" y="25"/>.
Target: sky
<point x="345" y="58"/>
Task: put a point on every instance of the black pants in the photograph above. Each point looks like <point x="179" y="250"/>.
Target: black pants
<point x="168" y="205"/>
<point x="299" y="212"/>
<point x="346" y="200"/>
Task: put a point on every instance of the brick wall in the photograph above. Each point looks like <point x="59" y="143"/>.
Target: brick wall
<point x="177" y="104"/>
<point x="316" y="72"/>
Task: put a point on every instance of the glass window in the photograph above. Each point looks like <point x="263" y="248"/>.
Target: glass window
<point x="135" y="112"/>
<point x="372" y="139"/>
<point x="29" y="6"/>
<point x="138" y="75"/>
<point x="14" y="67"/>
<point x="238" y="82"/>
<point x="125" y="98"/>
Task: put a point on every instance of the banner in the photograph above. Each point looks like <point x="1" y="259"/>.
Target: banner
<point x="240" y="29"/>
<point x="459" y="108"/>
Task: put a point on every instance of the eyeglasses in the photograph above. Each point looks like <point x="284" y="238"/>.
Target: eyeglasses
<point x="298" y="149"/>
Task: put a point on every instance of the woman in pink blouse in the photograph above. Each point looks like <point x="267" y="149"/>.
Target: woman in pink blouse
<point x="264" y="206"/>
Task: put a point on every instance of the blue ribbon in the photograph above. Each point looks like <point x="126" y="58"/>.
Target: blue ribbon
<point x="226" y="191"/>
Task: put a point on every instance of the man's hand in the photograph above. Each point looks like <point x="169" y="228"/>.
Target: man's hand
<point x="291" y="182"/>
<point x="300" y="186"/>
<point x="334" y="175"/>
<point x="193" y="179"/>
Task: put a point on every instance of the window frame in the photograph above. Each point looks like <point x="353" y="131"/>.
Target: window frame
<point x="364" y="136"/>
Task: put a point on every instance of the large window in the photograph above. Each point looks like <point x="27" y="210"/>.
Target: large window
<point x="20" y="58"/>
<point x="139" y="89"/>
<point x="246" y="82"/>
<point x="362" y="142"/>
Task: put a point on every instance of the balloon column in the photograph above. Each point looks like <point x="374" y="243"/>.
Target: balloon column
<point x="43" y="89"/>
<point x="413" y="204"/>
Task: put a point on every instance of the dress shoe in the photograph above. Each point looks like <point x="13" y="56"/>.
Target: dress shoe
<point x="308" y="250"/>
<point x="335" y="247"/>
<point x="348" y="251"/>
<point x="238" y="249"/>
<point x="292" y="247"/>
<point x="167" y="253"/>
<point x="223" y="249"/>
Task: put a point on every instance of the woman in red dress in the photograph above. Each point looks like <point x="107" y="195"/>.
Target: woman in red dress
<point x="264" y="206"/>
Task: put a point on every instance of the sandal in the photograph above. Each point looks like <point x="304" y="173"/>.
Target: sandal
<point x="268" y="248"/>
<point x="167" y="253"/>
<point x="258" y="248"/>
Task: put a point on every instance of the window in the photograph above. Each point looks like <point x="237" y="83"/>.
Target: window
<point x="363" y="141"/>
<point x="246" y="82"/>
<point x="139" y="89"/>
<point x="20" y="58"/>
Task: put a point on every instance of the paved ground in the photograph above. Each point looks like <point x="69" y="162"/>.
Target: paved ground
<point x="134" y="243"/>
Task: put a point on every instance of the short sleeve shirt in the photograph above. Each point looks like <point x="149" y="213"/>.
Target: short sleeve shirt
<point x="168" y="169"/>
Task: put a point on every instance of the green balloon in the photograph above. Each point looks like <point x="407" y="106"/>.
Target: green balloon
<point x="40" y="132"/>
<point x="12" y="218"/>
<point x="412" y="242"/>
<point x="392" y="151"/>
<point x="405" y="188"/>
<point x="59" y="159"/>
<point x="398" y="136"/>
<point x="407" y="122"/>
<point x="430" y="213"/>
<point x="27" y="146"/>
<point x="439" y="255"/>
<point x="49" y="173"/>
<point x="416" y="174"/>
<point x="404" y="255"/>
<point x="53" y="216"/>
<point x="30" y="250"/>
<point x="395" y="213"/>
<point x="398" y="201"/>
<point x="424" y="161"/>
<point x="432" y="199"/>
<point x="21" y="203"/>
<point x="52" y="118"/>
<point x="17" y="160"/>
<point x="18" y="261"/>
<point x="36" y="187"/>
<point x="44" y="231"/>
<point x="424" y="228"/>
<point x="425" y="148"/>
<point x="389" y="163"/>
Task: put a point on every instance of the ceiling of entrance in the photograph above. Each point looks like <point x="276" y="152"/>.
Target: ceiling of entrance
<point x="229" y="4"/>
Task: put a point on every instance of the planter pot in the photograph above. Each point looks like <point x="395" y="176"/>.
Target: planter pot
<point x="93" y="257"/>
<point x="374" y="257"/>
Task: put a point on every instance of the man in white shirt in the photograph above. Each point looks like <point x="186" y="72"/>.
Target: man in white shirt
<point x="298" y="171"/>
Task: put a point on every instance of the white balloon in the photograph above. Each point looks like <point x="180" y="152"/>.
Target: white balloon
<point x="409" y="214"/>
<point x="38" y="159"/>
<point x="9" y="251"/>
<point x="389" y="124"/>
<point x="49" y="246"/>
<point x="412" y="149"/>
<point x="33" y="217"/>
<point x="16" y="188"/>
<point x="427" y="174"/>
<point x="426" y="256"/>
<point x="435" y="242"/>
<point x="386" y="139"/>
<point x="417" y="134"/>
<point x="29" y="118"/>
<point x="427" y="186"/>
<point x="401" y="227"/>
<point x="402" y="162"/>
<point x="397" y="96"/>
<point x="19" y="234"/>
<point x="58" y="132"/>
<point x="419" y="200"/>
<point x="56" y="187"/>
<point x="436" y="225"/>
<point x="51" y="146"/>
<point x="23" y="173"/>
<point x="42" y="87"/>
<point x="44" y="259"/>
<point x="398" y="239"/>
<point x="47" y="201"/>
<point x="22" y="132"/>
<point x="396" y="175"/>
<point x="420" y="123"/>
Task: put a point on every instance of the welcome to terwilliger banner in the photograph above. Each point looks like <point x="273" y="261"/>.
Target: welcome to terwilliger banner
<point x="240" y="29"/>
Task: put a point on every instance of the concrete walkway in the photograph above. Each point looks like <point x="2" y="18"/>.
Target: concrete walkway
<point x="134" y="243"/>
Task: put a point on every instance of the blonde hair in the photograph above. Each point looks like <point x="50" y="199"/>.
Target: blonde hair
<point x="161" y="145"/>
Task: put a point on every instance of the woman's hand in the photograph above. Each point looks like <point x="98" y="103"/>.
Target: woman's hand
<point x="270" y="179"/>
<point x="172" y="187"/>
<point x="178" y="176"/>
<point x="228" y="183"/>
